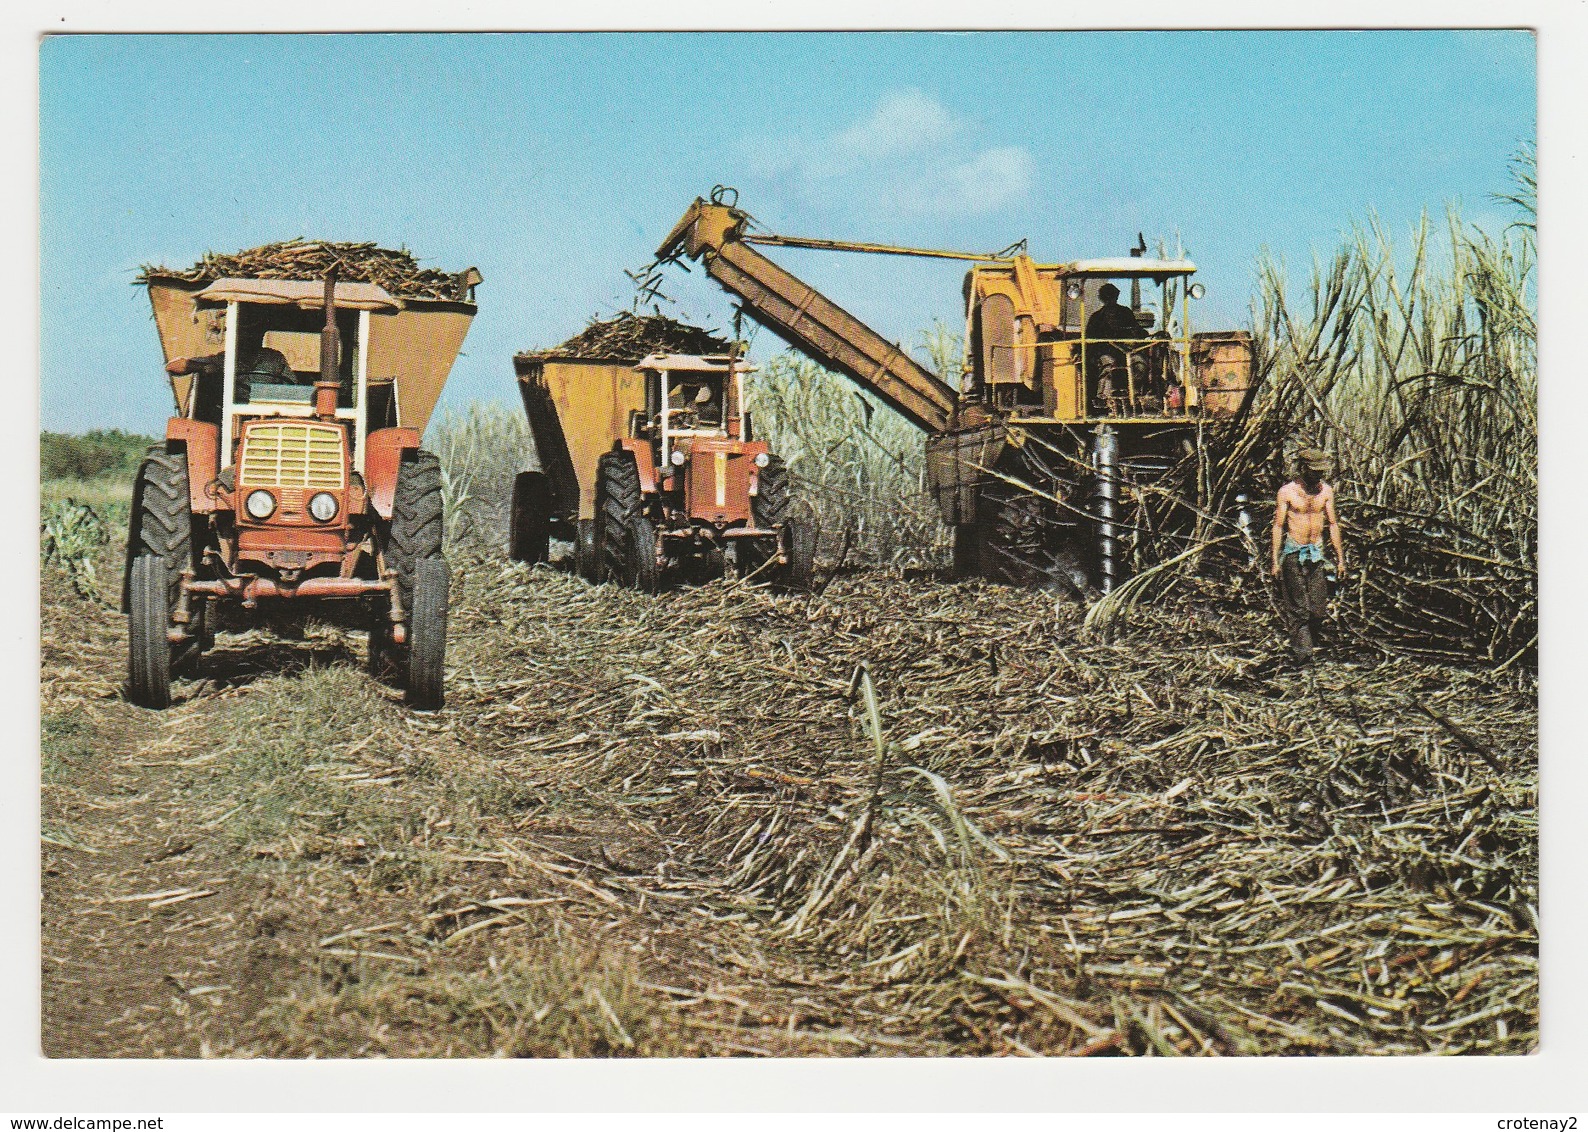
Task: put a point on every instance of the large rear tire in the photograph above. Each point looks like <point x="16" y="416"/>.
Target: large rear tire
<point x="417" y="521"/>
<point x="530" y="537"/>
<point x="625" y="537"/>
<point x="427" y="635"/>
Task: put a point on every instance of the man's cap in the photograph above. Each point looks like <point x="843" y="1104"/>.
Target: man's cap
<point x="1108" y="292"/>
<point x="704" y="395"/>
<point x="1314" y="460"/>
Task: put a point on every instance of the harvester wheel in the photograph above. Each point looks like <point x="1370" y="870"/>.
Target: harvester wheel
<point x="427" y="634"/>
<point x="149" y="649"/>
<point x="417" y="521"/>
<point x="530" y="539"/>
<point x="1018" y="546"/>
<point x="1010" y="535"/>
<point x="625" y="538"/>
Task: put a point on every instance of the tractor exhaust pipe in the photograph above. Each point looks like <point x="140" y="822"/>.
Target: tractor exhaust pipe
<point x="326" y="388"/>
<point x="1105" y="462"/>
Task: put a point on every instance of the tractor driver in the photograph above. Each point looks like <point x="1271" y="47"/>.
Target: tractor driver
<point x="1113" y="323"/>
<point x="695" y="405"/>
<point x="256" y="362"/>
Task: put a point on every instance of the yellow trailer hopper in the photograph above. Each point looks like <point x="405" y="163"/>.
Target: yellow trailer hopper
<point x="578" y="409"/>
<point x="412" y="342"/>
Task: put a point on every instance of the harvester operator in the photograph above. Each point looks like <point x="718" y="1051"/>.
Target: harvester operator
<point x="1112" y="322"/>
<point x="1304" y="508"/>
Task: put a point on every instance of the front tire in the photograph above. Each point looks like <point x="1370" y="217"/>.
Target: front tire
<point x="161" y="523"/>
<point x="586" y="562"/>
<point x="625" y="537"/>
<point x="159" y="548"/>
<point x="427" y="634"/>
<point x="149" y="618"/>
<point x="417" y="521"/>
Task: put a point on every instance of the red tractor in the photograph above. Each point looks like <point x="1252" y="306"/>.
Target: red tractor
<point x="688" y="481"/>
<point x="652" y="472"/>
<point x="292" y="474"/>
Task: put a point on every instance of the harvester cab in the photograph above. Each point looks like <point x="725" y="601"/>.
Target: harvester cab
<point x="292" y="475"/>
<point x="1056" y="343"/>
<point x="689" y="481"/>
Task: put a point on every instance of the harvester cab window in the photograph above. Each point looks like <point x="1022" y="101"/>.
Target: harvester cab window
<point x="1134" y="346"/>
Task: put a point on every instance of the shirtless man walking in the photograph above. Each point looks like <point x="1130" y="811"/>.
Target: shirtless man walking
<point x="1304" y="507"/>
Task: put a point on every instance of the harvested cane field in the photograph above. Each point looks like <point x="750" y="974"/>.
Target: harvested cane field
<point x="901" y="817"/>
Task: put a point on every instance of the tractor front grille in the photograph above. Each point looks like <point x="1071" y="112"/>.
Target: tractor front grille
<point x="293" y="454"/>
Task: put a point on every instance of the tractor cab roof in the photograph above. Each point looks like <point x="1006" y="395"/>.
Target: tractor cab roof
<point x="1125" y="267"/>
<point x="304" y="294"/>
<point x="698" y="363"/>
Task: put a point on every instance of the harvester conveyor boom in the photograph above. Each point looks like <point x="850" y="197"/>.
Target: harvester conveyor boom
<point x="807" y="319"/>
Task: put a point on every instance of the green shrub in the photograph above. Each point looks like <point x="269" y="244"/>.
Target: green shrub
<point x="90" y="455"/>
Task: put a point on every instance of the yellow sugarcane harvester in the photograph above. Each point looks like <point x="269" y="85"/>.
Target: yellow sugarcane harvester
<point x="1068" y="402"/>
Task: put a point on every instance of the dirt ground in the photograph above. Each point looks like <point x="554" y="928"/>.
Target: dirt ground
<point x="680" y="826"/>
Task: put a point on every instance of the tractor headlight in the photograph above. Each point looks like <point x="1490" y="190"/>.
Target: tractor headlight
<point x="261" y="504"/>
<point x="1196" y="290"/>
<point x="762" y="459"/>
<point x="678" y="457"/>
<point x="323" y="506"/>
<point x="1072" y="291"/>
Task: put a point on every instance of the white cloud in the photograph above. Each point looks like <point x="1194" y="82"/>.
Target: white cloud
<point x="909" y="151"/>
<point x="987" y="181"/>
<point x="903" y="123"/>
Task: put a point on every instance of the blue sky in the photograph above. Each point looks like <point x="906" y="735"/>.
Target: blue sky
<point x="553" y="162"/>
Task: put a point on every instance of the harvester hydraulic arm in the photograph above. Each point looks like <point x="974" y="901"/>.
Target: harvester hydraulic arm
<point x="819" y="327"/>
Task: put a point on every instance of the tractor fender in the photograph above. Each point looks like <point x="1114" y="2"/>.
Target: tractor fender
<point x="383" y="455"/>
<point x="201" y="442"/>
<point x="645" y="460"/>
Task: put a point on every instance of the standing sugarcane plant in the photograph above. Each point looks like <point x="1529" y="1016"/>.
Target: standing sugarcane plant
<point x="1417" y="368"/>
